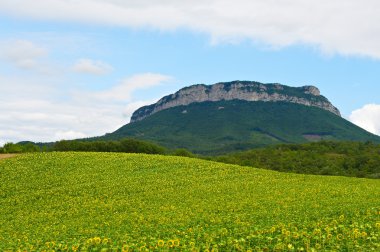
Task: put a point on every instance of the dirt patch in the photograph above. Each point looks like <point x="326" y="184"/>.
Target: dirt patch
<point x="3" y="156"/>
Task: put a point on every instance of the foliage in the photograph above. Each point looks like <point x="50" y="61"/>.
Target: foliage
<point x="19" y="148"/>
<point x="124" y="145"/>
<point x="134" y="202"/>
<point x="212" y="128"/>
<point x="183" y="153"/>
<point x="325" y="158"/>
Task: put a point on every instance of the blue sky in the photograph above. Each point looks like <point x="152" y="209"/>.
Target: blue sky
<point x="71" y="69"/>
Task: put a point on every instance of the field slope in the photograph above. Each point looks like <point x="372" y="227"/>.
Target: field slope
<point x="101" y="201"/>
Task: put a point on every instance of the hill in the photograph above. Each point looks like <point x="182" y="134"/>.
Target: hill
<point x="225" y="126"/>
<point x="136" y="202"/>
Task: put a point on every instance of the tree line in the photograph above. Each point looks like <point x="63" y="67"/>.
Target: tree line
<point x="356" y="159"/>
<point x="127" y="145"/>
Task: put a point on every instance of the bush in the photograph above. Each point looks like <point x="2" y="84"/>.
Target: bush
<point x="12" y="148"/>
<point x="19" y="148"/>
<point x="183" y="153"/>
<point x="29" y="147"/>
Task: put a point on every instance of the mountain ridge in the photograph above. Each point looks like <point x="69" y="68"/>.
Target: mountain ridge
<point x="239" y="115"/>
<point x="212" y="128"/>
<point x="238" y="90"/>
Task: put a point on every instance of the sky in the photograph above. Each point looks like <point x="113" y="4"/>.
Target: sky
<point x="72" y="69"/>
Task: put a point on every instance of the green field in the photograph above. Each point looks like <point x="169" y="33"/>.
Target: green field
<point x="135" y="202"/>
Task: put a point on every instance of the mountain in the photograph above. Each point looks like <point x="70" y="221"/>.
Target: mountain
<point x="240" y="115"/>
<point x="238" y="90"/>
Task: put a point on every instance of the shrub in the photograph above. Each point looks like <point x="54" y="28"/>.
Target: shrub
<point x="183" y="153"/>
<point x="12" y="148"/>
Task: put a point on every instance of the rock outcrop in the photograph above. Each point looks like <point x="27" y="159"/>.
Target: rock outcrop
<point x="240" y="90"/>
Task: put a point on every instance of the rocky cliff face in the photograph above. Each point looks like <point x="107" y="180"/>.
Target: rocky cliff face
<point x="240" y="90"/>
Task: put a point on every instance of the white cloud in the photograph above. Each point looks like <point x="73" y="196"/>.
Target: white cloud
<point x="92" y="67"/>
<point x="133" y="106"/>
<point x="124" y="90"/>
<point x="367" y="117"/>
<point x="22" y="53"/>
<point x="69" y="135"/>
<point x="41" y="112"/>
<point x="347" y="27"/>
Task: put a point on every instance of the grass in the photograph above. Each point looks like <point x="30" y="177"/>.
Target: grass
<point x="135" y="202"/>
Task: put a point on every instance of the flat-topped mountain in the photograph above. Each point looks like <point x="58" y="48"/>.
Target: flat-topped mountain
<point x="238" y="90"/>
<point x="239" y="115"/>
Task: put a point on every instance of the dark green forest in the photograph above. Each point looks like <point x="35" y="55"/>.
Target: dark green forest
<point x="356" y="159"/>
<point x="20" y="148"/>
<point x="124" y="145"/>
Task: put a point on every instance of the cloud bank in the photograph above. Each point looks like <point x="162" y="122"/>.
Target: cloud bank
<point x="39" y="111"/>
<point x="347" y="27"/>
<point x="124" y="90"/>
<point x="367" y="117"/>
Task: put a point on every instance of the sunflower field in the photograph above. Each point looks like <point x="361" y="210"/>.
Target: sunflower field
<point x="137" y="202"/>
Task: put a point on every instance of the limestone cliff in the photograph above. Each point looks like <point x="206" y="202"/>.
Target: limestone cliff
<point x="240" y="90"/>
